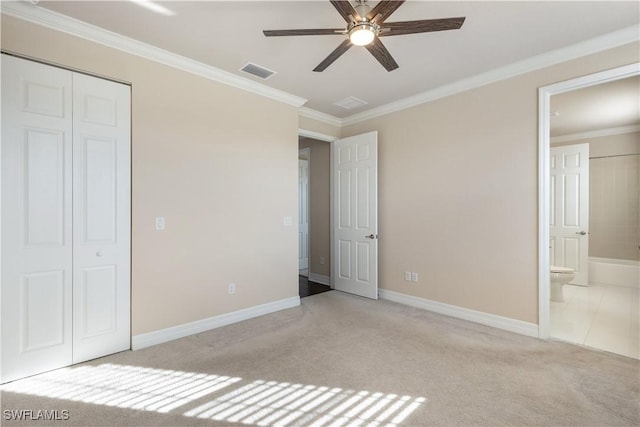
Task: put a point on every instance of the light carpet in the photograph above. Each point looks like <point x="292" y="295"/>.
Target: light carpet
<point x="339" y="360"/>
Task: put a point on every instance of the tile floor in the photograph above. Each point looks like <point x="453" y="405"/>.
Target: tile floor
<point x="603" y="317"/>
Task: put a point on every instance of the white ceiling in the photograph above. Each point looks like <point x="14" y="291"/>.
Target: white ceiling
<point x="605" y="106"/>
<point x="228" y="34"/>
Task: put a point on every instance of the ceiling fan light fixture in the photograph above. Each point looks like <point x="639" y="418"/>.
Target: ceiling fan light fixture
<point x="362" y="34"/>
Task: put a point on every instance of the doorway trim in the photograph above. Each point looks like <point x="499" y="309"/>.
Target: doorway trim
<point x="544" y="148"/>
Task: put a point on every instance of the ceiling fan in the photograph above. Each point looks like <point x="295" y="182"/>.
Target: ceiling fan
<point x="365" y="26"/>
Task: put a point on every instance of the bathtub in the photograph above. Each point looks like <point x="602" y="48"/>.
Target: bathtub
<point x="619" y="272"/>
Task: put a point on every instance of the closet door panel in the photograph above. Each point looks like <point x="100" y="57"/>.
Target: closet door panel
<point x="36" y="218"/>
<point x="101" y="169"/>
<point x="99" y="209"/>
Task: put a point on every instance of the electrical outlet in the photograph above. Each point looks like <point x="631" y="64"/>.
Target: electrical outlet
<point x="321" y="260"/>
<point x="407" y="276"/>
<point x="231" y="288"/>
<point x="414" y="277"/>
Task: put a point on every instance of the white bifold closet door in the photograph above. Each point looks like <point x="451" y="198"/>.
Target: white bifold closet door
<point x="65" y="218"/>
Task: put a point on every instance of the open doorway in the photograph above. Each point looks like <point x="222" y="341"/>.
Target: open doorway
<point x="343" y="212"/>
<point x="590" y="211"/>
<point x="314" y="246"/>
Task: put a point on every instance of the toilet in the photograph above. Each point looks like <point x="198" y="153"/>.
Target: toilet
<point x="560" y="276"/>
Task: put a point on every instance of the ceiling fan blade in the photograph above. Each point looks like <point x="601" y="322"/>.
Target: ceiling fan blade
<point x="421" y="26"/>
<point x="344" y="46"/>
<point x="304" y="32"/>
<point x="384" y="9"/>
<point x="345" y="10"/>
<point x="381" y="53"/>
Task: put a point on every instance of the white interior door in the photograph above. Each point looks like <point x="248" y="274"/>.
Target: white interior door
<point x="355" y="213"/>
<point x="65" y="218"/>
<point x="101" y="206"/>
<point x="36" y="218"/>
<point x="569" y="228"/>
<point x="303" y="214"/>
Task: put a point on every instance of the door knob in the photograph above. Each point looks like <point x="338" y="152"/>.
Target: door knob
<point x="99" y="253"/>
<point x="582" y="233"/>
<point x="370" y="236"/>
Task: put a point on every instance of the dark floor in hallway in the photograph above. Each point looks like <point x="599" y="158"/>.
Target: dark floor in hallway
<point x="308" y="288"/>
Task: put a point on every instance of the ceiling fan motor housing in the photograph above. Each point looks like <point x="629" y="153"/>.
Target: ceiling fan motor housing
<point x="363" y="10"/>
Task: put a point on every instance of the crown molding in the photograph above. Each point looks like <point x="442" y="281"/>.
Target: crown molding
<point x="59" y="22"/>
<point x="77" y="28"/>
<point x="316" y="135"/>
<point x="587" y="47"/>
<point x="595" y="134"/>
<point x="319" y="116"/>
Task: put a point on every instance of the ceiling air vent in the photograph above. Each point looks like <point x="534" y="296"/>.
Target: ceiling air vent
<point x="257" y="70"/>
<point x="350" y="103"/>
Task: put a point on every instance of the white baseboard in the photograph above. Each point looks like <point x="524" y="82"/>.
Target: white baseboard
<point x="506" y="323"/>
<point x="180" y="331"/>
<point x="319" y="278"/>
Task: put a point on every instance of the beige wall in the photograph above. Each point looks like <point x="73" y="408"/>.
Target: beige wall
<point x="614" y="218"/>
<point x="457" y="183"/>
<point x="610" y="145"/>
<point x="614" y="145"/>
<point x="319" y="205"/>
<point x="305" y="123"/>
<point x="458" y="191"/>
<point x="220" y="164"/>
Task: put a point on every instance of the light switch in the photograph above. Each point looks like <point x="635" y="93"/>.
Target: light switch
<point x="159" y="223"/>
<point x="287" y="221"/>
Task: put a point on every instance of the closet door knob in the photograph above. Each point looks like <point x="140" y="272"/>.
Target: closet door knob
<point x="99" y="253"/>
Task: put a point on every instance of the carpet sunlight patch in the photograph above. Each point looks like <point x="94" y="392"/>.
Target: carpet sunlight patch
<point x="130" y="387"/>
<point x="219" y="398"/>
<point x="282" y="404"/>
